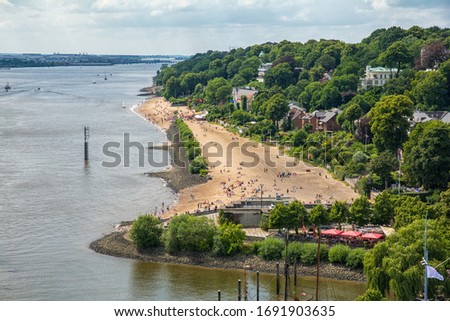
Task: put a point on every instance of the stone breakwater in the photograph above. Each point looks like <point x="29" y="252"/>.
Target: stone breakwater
<point x="115" y="244"/>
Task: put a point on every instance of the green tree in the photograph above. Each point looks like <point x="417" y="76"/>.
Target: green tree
<point x="197" y="165"/>
<point x="173" y="88"/>
<point x="396" y="55"/>
<point x="276" y="108"/>
<point x="319" y="215"/>
<point x="429" y="90"/>
<point x="218" y="90"/>
<point x="280" y="75"/>
<point x="394" y="266"/>
<point x="298" y="213"/>
<point x="229" y="239"/>
<point x="389" y="122"/>
<point x="407" y="210"/>
<point x="299" y="138"/>
<point x="189" y="81"/>
<point x="383" y="165"/>
<point x="189" y="233"/>
<point x="427" y="155"/>
<point x="360" y="211"/>
<point x="383" y="209"/>
<point x="146" y="231"/>
<point x="339" y="212"/>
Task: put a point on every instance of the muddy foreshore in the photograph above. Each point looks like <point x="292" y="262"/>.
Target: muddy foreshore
<point x="115" y="244"/>
<point x="178" y="176"/>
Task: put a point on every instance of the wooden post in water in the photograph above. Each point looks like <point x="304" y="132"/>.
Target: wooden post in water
<point x="239" y="290"/>
<point x="86" y="149"/>
<point x="278" y="278"/>
<point x="219" y="295"/>
<point x="245" y="284"/>
<point x="257" y="285"/>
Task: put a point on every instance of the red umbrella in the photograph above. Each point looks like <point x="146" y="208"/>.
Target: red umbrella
<point x="332" y="232"/>
<point x="351" y="234"/>
<point x="372" y="236"/>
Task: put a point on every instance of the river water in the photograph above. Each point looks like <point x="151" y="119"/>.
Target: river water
<point x="52" y="205"/>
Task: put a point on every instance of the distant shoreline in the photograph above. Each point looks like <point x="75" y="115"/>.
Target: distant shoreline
<point x="116" y="245"/>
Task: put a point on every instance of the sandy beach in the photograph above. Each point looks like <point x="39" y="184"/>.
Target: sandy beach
<point x="239" y="167"/>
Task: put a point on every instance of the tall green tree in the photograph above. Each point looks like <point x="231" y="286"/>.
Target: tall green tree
<point x="394" y="266"/>
<point x="383" y="165"/>
<point x="218" y="90"/>
<point x="383" y="209"/>
<point x="430" y="90"/>
<point x="339" y="212"/>
<point x="360" y="211"/>
<point x="389" y="122"/>
<point x="396" y="55"/>
<point x="280" y="75"/>
<point x="276" y="108"/>
<point x="319" y="215"/>
<point x="407" y="210"/>
<point x="427" y="155"/>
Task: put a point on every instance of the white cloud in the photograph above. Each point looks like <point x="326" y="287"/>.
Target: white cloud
<point x="189" y="26"/>
<point x="6" y="3"/>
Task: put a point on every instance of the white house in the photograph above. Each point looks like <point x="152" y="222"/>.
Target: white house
<point x="377" y="76"/>
<point x="262" y="71"/>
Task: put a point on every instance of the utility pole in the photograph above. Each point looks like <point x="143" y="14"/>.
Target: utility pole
<point x="318" y="266"/>
<point x="425" y="253"/>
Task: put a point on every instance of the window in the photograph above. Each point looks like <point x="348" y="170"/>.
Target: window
<point x="376" y="82"/>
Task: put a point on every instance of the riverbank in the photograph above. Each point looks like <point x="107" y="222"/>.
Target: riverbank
<point x="177" y="177"/>
<point x="115" y="244"/>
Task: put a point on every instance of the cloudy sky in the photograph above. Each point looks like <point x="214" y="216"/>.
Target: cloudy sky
<point x="191" y="26"/>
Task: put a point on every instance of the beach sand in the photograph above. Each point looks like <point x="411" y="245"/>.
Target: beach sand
<point x="234" y="178"/>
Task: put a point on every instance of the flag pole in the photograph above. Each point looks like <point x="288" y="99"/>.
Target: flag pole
<point x="425" y="253"/>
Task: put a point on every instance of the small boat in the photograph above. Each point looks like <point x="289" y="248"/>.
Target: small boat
<point x="123" y="105"/>
<point x="7" y="87"/>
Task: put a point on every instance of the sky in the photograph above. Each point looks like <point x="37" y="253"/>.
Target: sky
<point x="186" y="27"/>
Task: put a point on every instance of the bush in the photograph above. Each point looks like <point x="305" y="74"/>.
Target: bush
<point x="229" y="239"/>
<point x="309" y="253"/>
<point x="338" y="254"/>
<point x="191" y="233"/>
<point x="271" y="249"/>
<point x="146" y="232"/>
<point x="197" y="165"/>
<point x="355" y="258"/>
<point x="305" y="253"/>
<point x="255" y="247"/>
<point x="371" y="295"/>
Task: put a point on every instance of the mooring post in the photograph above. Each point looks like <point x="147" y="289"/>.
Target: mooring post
<point x="219" y="296"/>
<point x="86" y="149"/>
<point x="278" y="278"/>
<point x="239" y="290"/>
<point x="257" y="285"/>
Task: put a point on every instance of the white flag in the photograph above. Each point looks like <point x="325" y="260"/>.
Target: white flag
<point x="433" y="274"/>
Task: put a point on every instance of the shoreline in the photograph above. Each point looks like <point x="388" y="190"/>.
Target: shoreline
<point x="114" y="244"/>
